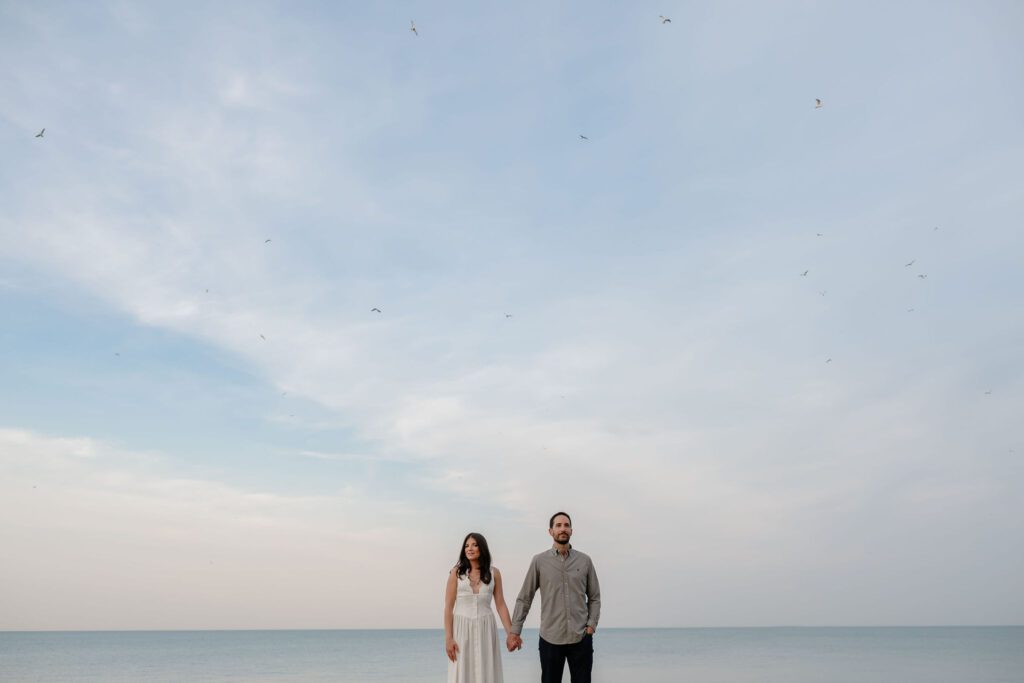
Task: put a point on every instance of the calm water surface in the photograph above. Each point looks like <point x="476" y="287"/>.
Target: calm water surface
<point x="783" y="655"/>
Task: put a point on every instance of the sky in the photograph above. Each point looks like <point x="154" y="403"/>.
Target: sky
<point x="767" y="354"/>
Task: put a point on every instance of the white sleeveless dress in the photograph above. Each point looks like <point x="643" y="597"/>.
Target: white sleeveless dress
<point x="476" y="631"/>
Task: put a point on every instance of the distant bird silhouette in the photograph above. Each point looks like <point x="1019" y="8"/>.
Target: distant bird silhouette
<point x="207" y="291"/>
<point x="804" y="274"/>
<point x="263" y="338"/>
<point x="266" y="241"/>
<point x="817" y="103"/>
<point x="910" y="310"/>
<point x="40" y="133"/>
<point x="664" y="20"/>
<point x="907" y="265"/>
<point x="412" y="27"/>
<point x="829" y="360"/>
<point x="374" y="310"/>
<point x="922" y="276"/>
<point x="117" y="354"/>
<point x="820" y="234"/>
<point x="508" y="315"/>
<point x="584" y="137"/>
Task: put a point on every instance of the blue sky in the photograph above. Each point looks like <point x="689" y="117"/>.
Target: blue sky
<point x="615" y="326"/>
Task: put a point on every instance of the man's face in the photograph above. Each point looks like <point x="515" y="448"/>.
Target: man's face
<point x="561" y="530"/>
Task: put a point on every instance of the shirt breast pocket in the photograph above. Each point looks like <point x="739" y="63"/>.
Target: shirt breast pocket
<point x="578" y="580"/>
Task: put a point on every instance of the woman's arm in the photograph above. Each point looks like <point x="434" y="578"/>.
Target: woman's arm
<point x="451" y="648"/>
<point x="499" y="603"/>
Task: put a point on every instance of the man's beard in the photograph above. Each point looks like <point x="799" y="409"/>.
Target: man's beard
<point x="559" y="541"/>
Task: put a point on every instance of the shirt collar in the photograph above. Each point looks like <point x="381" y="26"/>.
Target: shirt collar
<point x="554" y="550"/>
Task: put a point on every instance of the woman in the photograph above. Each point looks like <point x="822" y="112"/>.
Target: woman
<point x="470" y="632"/>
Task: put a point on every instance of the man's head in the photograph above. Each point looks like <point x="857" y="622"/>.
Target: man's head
<point x="560" y="528"/>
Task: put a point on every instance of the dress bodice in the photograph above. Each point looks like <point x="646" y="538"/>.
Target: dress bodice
<point x="470" y="604"/>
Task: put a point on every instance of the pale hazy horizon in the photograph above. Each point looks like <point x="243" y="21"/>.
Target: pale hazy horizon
<point x="767" y="355"/>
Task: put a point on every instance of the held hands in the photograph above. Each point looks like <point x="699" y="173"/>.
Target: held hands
<point x="590" y="631"/>
<point x="451" y="648"/>
<point x="513" y="642"/>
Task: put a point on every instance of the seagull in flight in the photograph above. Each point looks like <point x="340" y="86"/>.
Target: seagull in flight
<point x="374" y="310"/>
<point x="804" y="274"/>
<point x="263" y="338"/>
<point x="40" y="133"/>
<point x="266" y="241"/>
<point x="820" y="234"/>
<point x="664" y="19"/>
<point x="584" y="137"/>
<point x="508" y="315"/>
<point x="922" y="276"/>
<point x="829" y="360"/>
<point x="817" y="103"/>
<point x="412" y="27"/>
<point x="907" y="265"/>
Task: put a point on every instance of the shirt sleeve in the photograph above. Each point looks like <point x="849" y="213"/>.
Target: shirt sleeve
<point x="593" y="597"/>
<point x="530" y="585"/>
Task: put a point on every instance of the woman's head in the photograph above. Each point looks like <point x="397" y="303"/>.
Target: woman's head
<point x="474" y="549"/>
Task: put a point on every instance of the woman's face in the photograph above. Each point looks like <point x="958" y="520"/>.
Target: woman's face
<point x="472" y="549"/>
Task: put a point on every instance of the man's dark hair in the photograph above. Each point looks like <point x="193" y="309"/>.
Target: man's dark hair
<point x="551" y="522"/>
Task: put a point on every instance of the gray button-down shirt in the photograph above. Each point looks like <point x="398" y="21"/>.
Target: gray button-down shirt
<point x="570" y="596"/>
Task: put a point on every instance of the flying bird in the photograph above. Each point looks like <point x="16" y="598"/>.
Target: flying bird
<point x="922" y="276"/>
<point x="817" y="103"/>
<point x="910" y="310"/>
<point x="508" y="315"/>
<point x="412" y="27"/>
<point x="40" y="133"/>
<point x="907" y="265"/>
<point x="374" y="310"/>
<point x="829" y="360"/>
<point x="664" y="20"/>
<point x="266" y="241"/>
<point x="584" y="137"/>
<point x="820" y="234"/>
<point x="263" y="338"/>
<point x="804" y="274"/>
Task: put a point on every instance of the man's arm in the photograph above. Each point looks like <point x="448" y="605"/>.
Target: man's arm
<point x="593" y="599"/>
<point x="530" y="585"/>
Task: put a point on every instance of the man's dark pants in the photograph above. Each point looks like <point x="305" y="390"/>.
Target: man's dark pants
<point x="579" y="655"/>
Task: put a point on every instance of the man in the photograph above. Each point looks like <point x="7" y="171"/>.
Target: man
<point x="570" y="604"/>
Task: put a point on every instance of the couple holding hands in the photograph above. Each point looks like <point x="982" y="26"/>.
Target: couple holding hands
<point x="570" y="607"/>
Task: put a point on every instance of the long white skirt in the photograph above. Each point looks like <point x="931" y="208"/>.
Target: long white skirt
<point x="479" y="658"/>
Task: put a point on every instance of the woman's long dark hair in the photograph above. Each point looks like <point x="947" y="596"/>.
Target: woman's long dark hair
<point x="485" y="557"/>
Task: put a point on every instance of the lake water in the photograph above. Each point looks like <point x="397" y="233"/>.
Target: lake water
<point x="718" y="655"/>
